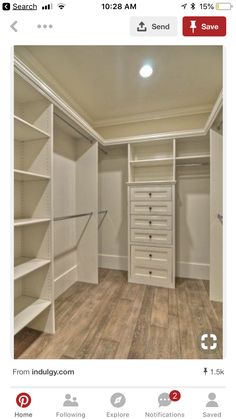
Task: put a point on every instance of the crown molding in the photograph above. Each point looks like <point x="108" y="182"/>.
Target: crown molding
<point x="155" y="137"/>
<point x="38" y="69"/>
<point x="176" y="134"/>
<point x="27" y="74"/>
<point x="153" y="116"/>
<point x="214" y="112"/>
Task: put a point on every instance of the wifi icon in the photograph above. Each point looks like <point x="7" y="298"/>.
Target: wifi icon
<point x="61" y="5"/>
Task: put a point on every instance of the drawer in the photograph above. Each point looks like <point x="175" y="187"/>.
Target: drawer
<point x="151" y="237"/>
<point x="151" y="222"/>
<point x="158" y="208"/>
<point x="151" y="266"/>
<point x="151" y="257"/>
<point x="151" y="193"/>
<point x="153" y="276"/>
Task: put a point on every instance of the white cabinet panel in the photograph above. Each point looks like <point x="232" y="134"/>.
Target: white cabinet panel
<point x="151" y="222"/>
<point x="157" y="271"/>
<point x="151" y="193"/>
<point x="151" y="257"/>
<point x="152" y="237"/>
<point x="142" y="207"/>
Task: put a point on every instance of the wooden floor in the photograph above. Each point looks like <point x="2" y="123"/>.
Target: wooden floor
<point x="127" y="321"/>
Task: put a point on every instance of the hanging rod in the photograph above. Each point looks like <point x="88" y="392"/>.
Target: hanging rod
<point x="102" y="211"/>
<point x="192" y="164"/>
<point x="78" y="132"/>
<point x="67" y="217"/>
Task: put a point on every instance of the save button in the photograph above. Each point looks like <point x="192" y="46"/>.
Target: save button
<point x="204" y="26"/>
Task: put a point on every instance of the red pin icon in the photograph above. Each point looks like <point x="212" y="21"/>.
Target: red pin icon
<point x="175" y="395"/>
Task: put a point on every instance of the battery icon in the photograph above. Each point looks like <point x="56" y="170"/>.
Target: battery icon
<point x="224" y="6"/>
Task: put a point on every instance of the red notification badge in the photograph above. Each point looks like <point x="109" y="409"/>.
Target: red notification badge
<point x="175" y="396"/>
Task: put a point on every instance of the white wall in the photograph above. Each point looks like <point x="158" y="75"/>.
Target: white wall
<point x="112" y="233"/>
<point x="193" y="227"/>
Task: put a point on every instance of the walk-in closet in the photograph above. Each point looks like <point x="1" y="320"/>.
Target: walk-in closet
<point x="118" y="202"/>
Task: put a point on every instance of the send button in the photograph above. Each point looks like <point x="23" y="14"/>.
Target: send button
<point x="153" y="26"/>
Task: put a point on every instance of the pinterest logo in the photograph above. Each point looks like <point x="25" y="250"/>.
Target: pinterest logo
<point x="23" y="400"/>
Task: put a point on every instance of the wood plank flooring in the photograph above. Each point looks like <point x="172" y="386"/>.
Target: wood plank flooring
<point x="118" y="320"/>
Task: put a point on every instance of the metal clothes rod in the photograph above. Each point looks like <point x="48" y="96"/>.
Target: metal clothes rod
<point x="78" y="132"/>
<point x="192" y="164"/>
<point x="67" y="217"/>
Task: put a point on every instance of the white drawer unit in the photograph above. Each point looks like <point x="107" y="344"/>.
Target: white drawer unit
<point x="149" y="222"/>
<point x="157" y="272"/>
<point x="155" y="207"/>
<point x="150" y="237"/>
<point x="151" y="193"/>
<point x="151" y="257"/>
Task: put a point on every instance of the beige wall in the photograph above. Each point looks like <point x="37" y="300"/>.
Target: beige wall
<point x="113" y="175"/>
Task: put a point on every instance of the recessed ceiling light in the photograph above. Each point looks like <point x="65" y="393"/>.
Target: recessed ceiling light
<point x="146" y="71"/>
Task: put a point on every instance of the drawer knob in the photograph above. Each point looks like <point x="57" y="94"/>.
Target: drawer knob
<point x="150" y="208"/>
<point x="150" y="255"/>
<point x="150" y="194"/>
<point x="150" y="236"/>
<point x="150" y="222"/>
<point x="150" y="272"/>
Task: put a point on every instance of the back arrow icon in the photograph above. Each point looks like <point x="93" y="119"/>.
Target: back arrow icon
<point x="13" y="26"/>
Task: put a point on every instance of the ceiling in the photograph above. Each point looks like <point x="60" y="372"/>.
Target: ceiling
<point x="103" y="82"/>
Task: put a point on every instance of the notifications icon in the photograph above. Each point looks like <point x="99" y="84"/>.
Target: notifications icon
<point x="164" y="399"/>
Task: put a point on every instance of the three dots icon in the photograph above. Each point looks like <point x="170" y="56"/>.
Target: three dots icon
<point x="39" y="26"/>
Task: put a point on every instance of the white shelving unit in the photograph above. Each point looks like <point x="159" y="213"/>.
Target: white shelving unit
<point x="33" y="254"/>
<point x="151" y="162"/>
<point x="24" y="266"/>
<point x="22" y="175"/>
<point x="151" y="221"/>
<point x="154" y="168"/>
<point x="192" y="157"/>
<point x="24" y="131"/>
<point x="18" y="222"/>
<point x="204" y="159"/>
<point x="192" y="147"/>
<point x="27" y="309"/>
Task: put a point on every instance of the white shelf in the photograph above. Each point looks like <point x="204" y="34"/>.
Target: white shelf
<point x="27" y="221"/>
<point x="151" y="182"/>
<point x="22" y="175"/>
<point x="24" y="266"/>
<point x="23" y="131"/>
<point x="204" y="158"/>
<point x="151" y="162"/>
<point x="27" y="309"/>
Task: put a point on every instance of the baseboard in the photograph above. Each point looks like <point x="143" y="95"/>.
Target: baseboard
<point x="64" y="281"/>
<point x="193" y="270"/>
<point x="113" y="262"/>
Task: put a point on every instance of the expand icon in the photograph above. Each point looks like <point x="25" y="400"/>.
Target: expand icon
<point x="209" y="342"/>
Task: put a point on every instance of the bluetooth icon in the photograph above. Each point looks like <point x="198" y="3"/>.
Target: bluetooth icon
<point x="118" y="400"/>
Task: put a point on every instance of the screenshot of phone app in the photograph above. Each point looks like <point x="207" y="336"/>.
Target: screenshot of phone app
<point x="118" y="213"/>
